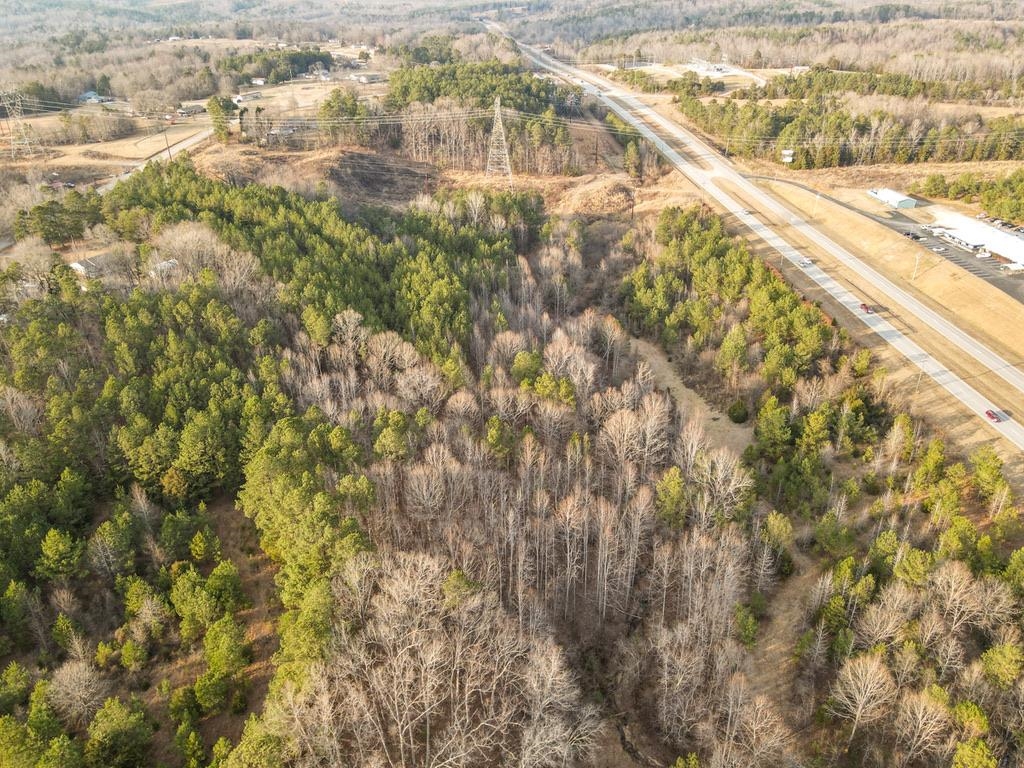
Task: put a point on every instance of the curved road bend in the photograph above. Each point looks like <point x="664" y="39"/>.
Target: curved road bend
<point x="642" y="117"/>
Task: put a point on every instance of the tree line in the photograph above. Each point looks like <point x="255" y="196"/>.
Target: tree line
<point x="823" y="134"/>
<point x="1000" y="198"/>
<point x="277" y="66"/>
<point x="822" y="81"/>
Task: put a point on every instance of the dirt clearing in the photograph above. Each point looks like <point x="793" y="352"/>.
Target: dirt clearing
<point x="718" y="429"/>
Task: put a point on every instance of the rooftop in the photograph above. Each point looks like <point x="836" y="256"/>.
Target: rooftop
<point x="1000" y="241"/>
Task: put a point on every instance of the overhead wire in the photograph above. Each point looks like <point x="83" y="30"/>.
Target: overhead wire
<point x="313" y="123"/>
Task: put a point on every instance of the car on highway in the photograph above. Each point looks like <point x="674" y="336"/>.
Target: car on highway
<point x="805" y="262"/>
<point x="939" y="248"/>
<point x="866" y="308"/>
<point x="993" y="416"/>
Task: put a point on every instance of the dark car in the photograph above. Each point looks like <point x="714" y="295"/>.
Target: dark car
<point x="866" y="308"/>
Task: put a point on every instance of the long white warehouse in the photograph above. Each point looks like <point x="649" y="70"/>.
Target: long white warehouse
<point x="978" y="234"/>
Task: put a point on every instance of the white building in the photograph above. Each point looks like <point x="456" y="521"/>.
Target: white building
<point x="892" y="198"/>
<point x="974" y="234"/>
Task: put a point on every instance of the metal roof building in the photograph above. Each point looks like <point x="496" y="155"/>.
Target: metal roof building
<point x="978" y="234"/>
<point x="892" y="198"/>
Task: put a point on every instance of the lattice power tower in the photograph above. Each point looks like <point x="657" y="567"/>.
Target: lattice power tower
<point x="23" y="139"/>
<point x="498" y="162"/>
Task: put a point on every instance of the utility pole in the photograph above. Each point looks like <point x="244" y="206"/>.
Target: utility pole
<point x="498" y="161"/>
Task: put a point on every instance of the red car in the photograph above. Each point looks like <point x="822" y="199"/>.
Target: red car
<point x="865" y="308"/>
<point x="993" y="416"/>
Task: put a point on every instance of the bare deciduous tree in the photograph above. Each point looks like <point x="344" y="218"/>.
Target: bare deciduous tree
<point x="77" y="691"/>
<point x="862" y="692"/>
<point x="433" y="677"/>
<point x="956" y="595"/>
<point x="921" y="725"/>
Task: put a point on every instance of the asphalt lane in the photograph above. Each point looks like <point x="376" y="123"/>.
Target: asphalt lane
<point x="645" y="119"/>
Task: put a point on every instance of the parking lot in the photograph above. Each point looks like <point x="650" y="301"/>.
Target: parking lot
<point x="985" y="268"/>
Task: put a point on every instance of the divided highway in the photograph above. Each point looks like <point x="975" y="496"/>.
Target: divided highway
<point x="655" y="128"/>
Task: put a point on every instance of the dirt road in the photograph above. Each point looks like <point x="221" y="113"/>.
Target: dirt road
<point x="718" y="429"/>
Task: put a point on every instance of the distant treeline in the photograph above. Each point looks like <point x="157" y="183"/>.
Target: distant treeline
<point x="471" y="84"/>
<point x="688" y="84"/>
<point x="275" y="66"/>
<point x="822" y="81"/>
<point x="823" y="134"/>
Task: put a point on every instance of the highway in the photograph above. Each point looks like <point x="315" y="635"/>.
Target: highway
<point x="655" y="128"/>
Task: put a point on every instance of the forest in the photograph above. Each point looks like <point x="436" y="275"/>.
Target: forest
<point x="1001" y="198"/>
<point x="492" y="536"/>
<point x="275" y="66"/>
<point x="978" y="43"/>
<point x="301" y="483"/>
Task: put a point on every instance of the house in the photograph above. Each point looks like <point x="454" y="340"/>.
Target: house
<point x="187" y="110"/>
<point x="97" y="266"/>
<point x="91" y="97"/>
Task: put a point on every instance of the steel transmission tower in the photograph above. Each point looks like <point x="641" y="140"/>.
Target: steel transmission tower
<point x="498" y="162"/>
<point x="22" y="138"/>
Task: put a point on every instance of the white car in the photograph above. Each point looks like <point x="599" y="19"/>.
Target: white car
<point x="805" y="262"/>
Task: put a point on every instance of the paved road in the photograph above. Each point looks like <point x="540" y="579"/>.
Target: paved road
<point x="660" y="132"/>
<point x="182" y="146"/>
